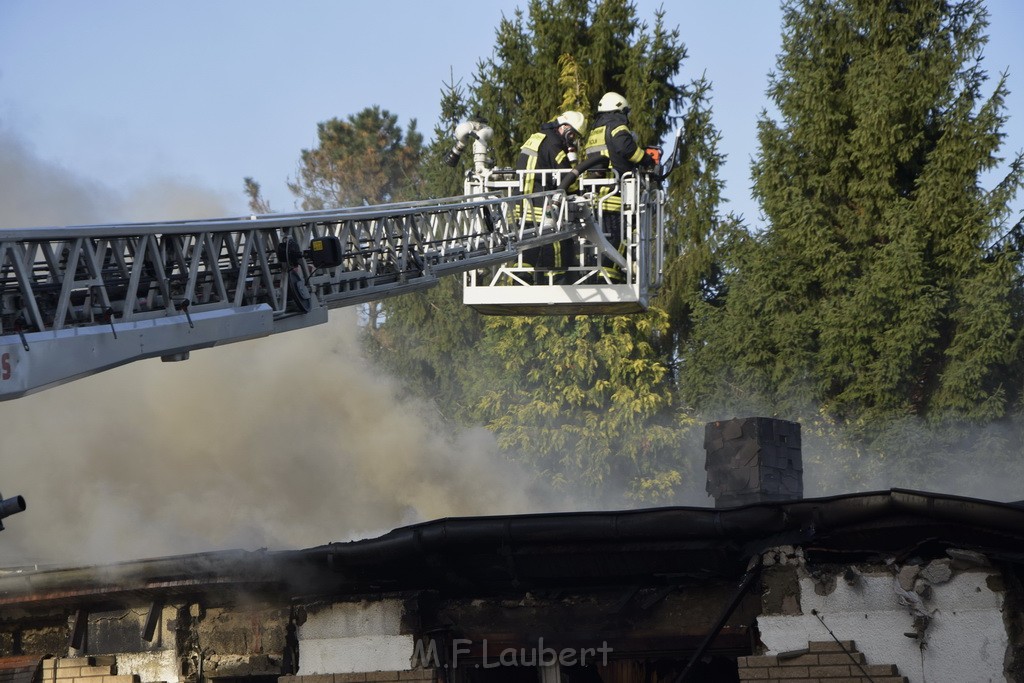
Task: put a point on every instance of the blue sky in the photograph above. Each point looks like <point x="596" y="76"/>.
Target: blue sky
<point x="123" y="94"/>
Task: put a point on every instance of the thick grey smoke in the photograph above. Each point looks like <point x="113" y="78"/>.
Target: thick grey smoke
<point x="281" y="442"/>
<point x="34" y="192"/>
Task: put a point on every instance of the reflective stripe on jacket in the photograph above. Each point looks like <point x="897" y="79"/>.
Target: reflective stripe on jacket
<point x="611" y="138"/>
<point x="542" y="151"/>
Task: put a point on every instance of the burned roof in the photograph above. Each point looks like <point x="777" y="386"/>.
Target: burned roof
<point x="494" y="554"/>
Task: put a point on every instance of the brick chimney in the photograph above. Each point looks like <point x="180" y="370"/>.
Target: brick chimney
<point x="753" y="460"/>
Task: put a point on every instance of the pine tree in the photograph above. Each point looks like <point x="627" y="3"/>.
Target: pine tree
<point x="366" y="159"/>
<point x="699" y="237"/>
<point x="606" y="46"/>
<point x="426" y="338"/>
<point x="876" y="293"/>
<point x="588" y="402"/>
<point x="257" y="204"/>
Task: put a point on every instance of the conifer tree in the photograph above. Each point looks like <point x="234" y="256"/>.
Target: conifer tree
<point x="588" y="402"/>
<point x="427" y="338"/>
<point x="877" y="292"/>
<point x="364" y="159"/>
<point x="699" y="236"/>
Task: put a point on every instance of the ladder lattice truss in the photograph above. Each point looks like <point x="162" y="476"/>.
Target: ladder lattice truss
<point x="78" y="300"/>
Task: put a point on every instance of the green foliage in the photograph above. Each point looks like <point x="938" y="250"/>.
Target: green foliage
<point x="883" y="306"/>
<point x="696" y="237"/>
<point x="257" y="204"/>
<point x="587" y="402"/>
<point x="574" y="86"/>
<point x="426" y="338"/>
<point x="875" y="293"/>
<point x="364" y="159"/>
<point x="570" y="52"/>
<point x="439" y="179"/>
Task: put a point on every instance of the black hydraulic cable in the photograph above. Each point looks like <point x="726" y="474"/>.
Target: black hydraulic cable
<point x="745" y="583"/>
<point x="841" y="646"/>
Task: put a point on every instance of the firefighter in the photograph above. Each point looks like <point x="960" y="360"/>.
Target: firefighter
<point x="553" y="147"/>
<point x="612" y="140"/>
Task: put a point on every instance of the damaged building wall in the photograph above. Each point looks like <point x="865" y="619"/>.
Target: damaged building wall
<point x="148" y="644"/>
<point x="352" y="637"/>
<point x="628" y="619"/>
<point x="137" y="648"/>
<point x="235" y="640"/>
<point x="654" y="585"/>
<point x="914" y="615"/>
<point x="34" y="632"/>
<point x="403" y="637"/>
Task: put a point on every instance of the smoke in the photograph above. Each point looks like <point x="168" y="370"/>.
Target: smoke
<point x="35" y="192"/>
<point x="282" y="442"/>
<point x="953" y="457"/>
<point x="29" y="185"/>
<point x="297" y="440"/>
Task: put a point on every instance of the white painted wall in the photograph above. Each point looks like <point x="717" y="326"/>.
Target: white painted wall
<point x="966" y="640"/>
<point x="355" y="637"/>
<point x="150" y="666"/>
<point x="161" y="665"/>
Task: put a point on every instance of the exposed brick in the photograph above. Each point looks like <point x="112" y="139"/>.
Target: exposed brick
<point x="882" y="670"/>
<point x="800" y="660"/>
<point x="74" y="661"/>
<point x="831" y="671"/>
<point x="777" y="672"/>
<point x="796" y="680"/>
<point x="126" y="678"/>
<point x="843" y="658"/>
<point x="754" y="674"/>
<point x="357" y="677"/>
<point x="62" y="672"/>
<point x="831" y="646"/>
<point x="758" y="660"/>
<point x="889" y="679"/>
<point x="96" y="671"/>
<point x="102" y="660"/>
<point x="382" y="676"/>
<point x="416" y="675"/>
<point x="318" y="678"/>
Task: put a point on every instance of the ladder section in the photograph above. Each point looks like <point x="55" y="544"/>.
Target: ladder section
<point x="78" y="300"/>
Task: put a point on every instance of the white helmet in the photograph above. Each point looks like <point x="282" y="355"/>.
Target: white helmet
<point x="613" y="101"/>
<point x="575" y="119"/>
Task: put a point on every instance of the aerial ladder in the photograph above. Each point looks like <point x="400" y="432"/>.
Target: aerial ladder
<point x="78" y="300"/>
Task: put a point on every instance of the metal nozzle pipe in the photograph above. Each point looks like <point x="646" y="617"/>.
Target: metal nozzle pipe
<point x="10" y="506"/>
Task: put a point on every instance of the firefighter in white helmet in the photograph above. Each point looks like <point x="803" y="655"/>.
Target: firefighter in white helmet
<point x="554" y="147"/>
<point x="611" y="140"/>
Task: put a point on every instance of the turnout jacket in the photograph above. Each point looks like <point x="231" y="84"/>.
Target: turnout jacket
<point x="611" y="139"/>
<point x="544" y="151"/>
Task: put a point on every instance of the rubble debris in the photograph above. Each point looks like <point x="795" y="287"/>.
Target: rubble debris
<point x="967" y="559"/>
<point x="908" y="577"/>
<point x="937" y="571"/>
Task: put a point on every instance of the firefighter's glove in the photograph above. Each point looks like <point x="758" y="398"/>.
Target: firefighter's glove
<point x="551" y="215"/>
